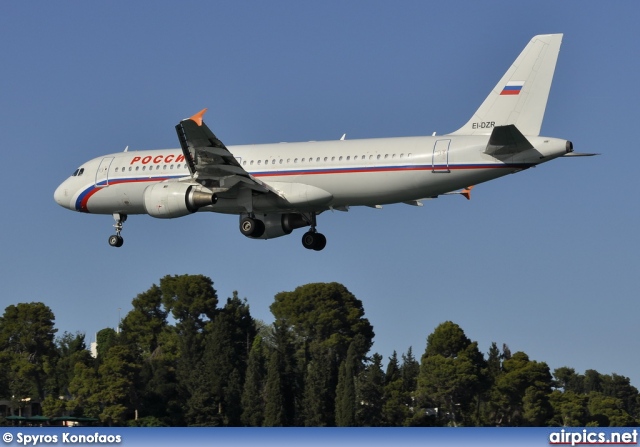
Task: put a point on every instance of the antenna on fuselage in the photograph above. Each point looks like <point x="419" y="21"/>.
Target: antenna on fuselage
<point x="344" y="135"/>
<point x="126" y="149"/>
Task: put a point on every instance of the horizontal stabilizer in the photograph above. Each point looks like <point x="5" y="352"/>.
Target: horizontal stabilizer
<point x="579" y="154"/>
<point x="507" y="140"/>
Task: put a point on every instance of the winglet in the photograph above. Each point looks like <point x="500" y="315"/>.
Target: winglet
<point x="197" y="118"/>
<point x="467" y="192"/>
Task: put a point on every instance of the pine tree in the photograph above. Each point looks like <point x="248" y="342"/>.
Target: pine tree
<point x="370" y="394"/>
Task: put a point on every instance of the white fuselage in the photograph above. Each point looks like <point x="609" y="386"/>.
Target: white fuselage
<point x="318" y="175"/>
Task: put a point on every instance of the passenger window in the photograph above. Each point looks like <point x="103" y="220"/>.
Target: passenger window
<point x="326" y="158"/>
<point x="340" y="159"/>
<point x="348" y="158"/>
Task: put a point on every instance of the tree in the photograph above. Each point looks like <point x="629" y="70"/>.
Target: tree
<point x="318" y="403"/>
<point x="323" y="320"/>
<point x="324" y="314"/>
<point x="450" y="374"/>
<point x="71" y="349"/>
<point x="192" y="301"/>
<point x="275" y="413"/>
<point x="27" y="339"/>
<point x="282" y="389"/>
<point x="521" y="393"/>
<point x="146" y="321"/>
<point x="569" y="409"/>
<point x="116" y="390"/>
<point x="225" y="357"/>
<point x="253" y="390"/>
<point x="396" y="400"/>
<point x="346" y="390"/>
<point x="370" y="394"/>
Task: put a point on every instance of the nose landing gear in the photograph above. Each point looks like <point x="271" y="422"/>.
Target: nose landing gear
<point x="116" y="240"/>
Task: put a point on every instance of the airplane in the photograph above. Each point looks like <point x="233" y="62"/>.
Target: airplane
<point x="277" y="188"/>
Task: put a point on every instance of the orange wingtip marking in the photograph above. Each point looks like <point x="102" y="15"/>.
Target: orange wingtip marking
<point x="467" y="192"/>
<point x="197" y="118"/>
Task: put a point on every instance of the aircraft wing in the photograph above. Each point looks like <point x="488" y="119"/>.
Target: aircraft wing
<point x="209" y="160"/>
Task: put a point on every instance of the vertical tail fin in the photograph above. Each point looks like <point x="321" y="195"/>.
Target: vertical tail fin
<point x="520" y="97"/>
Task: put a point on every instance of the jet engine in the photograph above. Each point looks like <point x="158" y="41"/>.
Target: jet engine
<point x="172" y="199"/>
<point x="269" y="226"/>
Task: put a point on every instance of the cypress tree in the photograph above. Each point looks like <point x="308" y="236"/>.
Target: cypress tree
<point x="274" y="411"/>
<point x="253" y="390"/>
<point x="346" y="390"/>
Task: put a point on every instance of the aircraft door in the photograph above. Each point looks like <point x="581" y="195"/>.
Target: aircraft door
<point x="102" y="175"/>
<point x="440" y="157"/>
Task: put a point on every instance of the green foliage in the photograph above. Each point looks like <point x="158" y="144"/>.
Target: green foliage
<point x="219" y="367"/>
<point x="144" y="324"/>
<point x="370" y="394"/>
<point x="253" y="389"/>
<point x="450" y="374"/>
<point x="275" y="413"/>
<point x="27" y="343"/>
<point x="325" y="316"/>
<point x="346" y="390"/>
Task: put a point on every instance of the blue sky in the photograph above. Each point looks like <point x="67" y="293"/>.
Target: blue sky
<point x="545" y="261"/>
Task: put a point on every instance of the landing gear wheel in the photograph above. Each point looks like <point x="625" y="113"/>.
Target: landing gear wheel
<point x="314" y="241"/>
<point x="251" y="227"/>
<point x="116" y="241"/>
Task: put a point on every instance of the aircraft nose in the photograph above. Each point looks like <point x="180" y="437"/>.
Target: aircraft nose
<point x="61" y="196"/>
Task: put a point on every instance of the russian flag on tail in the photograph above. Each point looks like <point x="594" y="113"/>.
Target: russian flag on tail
<point x="512" y="88"/>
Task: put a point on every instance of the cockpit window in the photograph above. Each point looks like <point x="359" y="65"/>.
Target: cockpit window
<point x="78" y="172"/>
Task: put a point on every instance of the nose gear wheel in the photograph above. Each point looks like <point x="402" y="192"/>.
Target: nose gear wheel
<point x="116" y="240"/>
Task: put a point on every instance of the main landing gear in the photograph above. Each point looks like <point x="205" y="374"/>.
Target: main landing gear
<point x="116" y="240"/>
<point x="312" y="240"/>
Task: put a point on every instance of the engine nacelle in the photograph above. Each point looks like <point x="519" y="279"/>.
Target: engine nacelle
<point x="172" y="199"/>
<point x="276" y="225"/>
